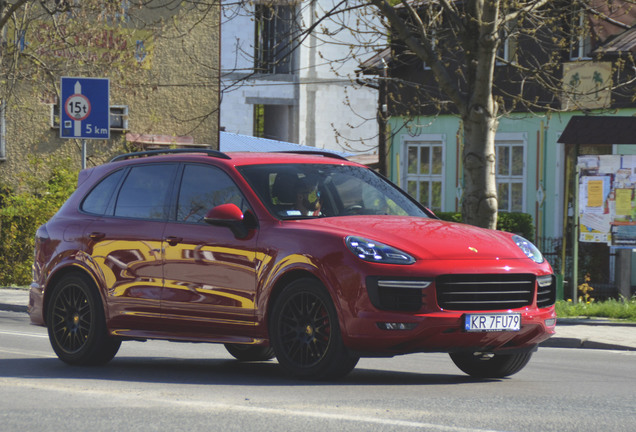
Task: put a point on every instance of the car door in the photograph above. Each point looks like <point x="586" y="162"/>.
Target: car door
<point x="209" y="274"/>
<point x="126" y="242"/>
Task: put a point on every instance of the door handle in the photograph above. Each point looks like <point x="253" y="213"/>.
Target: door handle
<point x="97" y="235"/>
<point x="173" y="241"/>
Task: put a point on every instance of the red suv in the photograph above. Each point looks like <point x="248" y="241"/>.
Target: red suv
<point x="310" y="258"/>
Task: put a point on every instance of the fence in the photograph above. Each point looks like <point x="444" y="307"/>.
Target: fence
<point x="595" y="260"/>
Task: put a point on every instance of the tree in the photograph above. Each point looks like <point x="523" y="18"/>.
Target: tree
<point x="461" y="42"/>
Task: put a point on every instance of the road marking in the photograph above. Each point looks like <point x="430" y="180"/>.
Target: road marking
<point x="26" y="353"/>
<point x="339" y="417"/>
<point x="208" y="406"/>
<point x="13" y="333"/>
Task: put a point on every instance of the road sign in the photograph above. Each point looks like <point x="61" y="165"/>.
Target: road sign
<point x="85" y="111"/>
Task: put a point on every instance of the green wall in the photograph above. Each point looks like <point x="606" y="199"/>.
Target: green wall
<point x="544" y="158"/>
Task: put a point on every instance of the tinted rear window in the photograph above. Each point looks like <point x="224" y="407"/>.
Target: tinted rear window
<point x="97" y="200"/>
<point x="145" y="191"/>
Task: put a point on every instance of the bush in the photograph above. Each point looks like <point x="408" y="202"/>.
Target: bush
<point x="518" y="223"/>
<point x="612" y="308"/>
<point x="22" y="212"/>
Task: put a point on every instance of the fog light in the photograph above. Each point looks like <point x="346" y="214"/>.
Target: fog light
<point x="544" y="281"/>
<point x="551" y="322"/>
<point x="396" y="326"/>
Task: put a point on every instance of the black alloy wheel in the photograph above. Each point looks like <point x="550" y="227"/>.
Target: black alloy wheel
<point x="305" y="333"/>
<point x="249" y="353"/>
<point x="489" y="365"/>
<point x="76" y="323"/>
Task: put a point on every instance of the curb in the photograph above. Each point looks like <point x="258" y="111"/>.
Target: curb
<point x="592" y="321"/>
<point x="562" y="342"/>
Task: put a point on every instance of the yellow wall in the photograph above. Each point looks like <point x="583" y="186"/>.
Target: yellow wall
<point x="178" y="94"/>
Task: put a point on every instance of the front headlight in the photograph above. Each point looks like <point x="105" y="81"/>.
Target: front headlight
<point x="372" y="251"/>
<point x="528" y="248"/>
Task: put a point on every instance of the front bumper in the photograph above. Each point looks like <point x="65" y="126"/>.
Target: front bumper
<point x="36" y="305"/>
<point x="444" y="332"/>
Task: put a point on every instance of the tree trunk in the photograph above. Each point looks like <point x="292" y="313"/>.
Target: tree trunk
<point x="479" y="204"/>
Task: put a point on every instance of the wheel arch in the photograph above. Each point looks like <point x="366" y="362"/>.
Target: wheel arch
<point x="61" y="273"/>
<point x="291" y="276"/>
<point x="284" y="280"/>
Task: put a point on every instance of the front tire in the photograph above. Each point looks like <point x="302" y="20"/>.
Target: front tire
<point x="305" y="333"/>
<point x="76" y="323"/>
<point x="488" y="365"/>
<point x="249" y="353"/>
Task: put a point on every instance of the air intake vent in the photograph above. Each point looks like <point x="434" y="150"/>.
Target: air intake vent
<point x="546" y="295"/>
<point x="397" y="294"/>
<point x="485" y="291"/>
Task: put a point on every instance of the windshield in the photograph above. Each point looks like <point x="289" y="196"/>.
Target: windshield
<point x="293" y="191"/>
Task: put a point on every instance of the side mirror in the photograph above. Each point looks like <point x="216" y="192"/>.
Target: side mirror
<point x="229" y="215"/>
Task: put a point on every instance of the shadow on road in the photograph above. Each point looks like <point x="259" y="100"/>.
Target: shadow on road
<point x="207" y="371"/>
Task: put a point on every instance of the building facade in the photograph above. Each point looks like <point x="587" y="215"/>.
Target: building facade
<point x="279" y="83"/>
<point x="163" y="76"/>
<point x="534" y="171"/>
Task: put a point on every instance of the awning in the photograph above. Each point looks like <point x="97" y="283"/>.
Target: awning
<point x="599" y="130"/>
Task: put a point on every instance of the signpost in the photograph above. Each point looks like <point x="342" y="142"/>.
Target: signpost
<point x="85" y="110"/>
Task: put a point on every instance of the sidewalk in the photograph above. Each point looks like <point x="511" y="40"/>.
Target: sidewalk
<point x="571" y="333"/>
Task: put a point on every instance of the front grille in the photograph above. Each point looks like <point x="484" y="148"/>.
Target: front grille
<point x="485" y="291"/>
<point x="397" y="294"/>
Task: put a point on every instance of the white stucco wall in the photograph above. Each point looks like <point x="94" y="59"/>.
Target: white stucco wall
<point x="333" y="112"/>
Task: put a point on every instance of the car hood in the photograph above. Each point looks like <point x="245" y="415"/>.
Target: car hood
<point x="426" y="238"/>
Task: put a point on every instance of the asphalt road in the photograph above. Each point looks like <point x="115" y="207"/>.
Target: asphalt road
<point x="159" y="386"/>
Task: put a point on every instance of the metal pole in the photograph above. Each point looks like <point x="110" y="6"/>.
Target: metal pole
<point x="566" y="202"/>
<point x="575" y="230"/>
<point x="83" y="154"/>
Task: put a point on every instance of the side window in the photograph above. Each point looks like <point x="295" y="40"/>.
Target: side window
<point x="144" y="192"/>
<point x="97" y="200"/>
<point x="425" y="172"/>
<point x="202" y="188"/>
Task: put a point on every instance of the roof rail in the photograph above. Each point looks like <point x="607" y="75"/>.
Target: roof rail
<point x="315" y="152"/>
<point x="209" y="152"/>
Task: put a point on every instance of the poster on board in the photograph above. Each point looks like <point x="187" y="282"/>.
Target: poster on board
<point x="607" y="211"/>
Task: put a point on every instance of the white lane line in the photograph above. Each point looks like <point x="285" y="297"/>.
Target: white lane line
<point x="14" y="333"/>
<point x="341" y="417"/>
<point x="26" y="353"/>
<point x="209" y="406"/>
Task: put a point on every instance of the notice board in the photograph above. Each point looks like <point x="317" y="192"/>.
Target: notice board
<point x="607" y="213"/>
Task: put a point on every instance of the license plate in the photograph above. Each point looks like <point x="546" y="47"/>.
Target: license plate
<point x="492" y="322"/>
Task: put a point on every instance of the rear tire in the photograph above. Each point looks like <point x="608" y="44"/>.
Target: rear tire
<point x="248" y="353"/>
<point x="305" y="333"/>
<point x="485" y="365"/>
<point x="76" y="323"/>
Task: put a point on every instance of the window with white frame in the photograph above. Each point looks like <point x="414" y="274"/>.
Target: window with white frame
<point x="433" y="40"/>
<point x="507" y="49"/>
<point x="424" y="171"/>
<point x="581" y="39"/>
<point x="511" y="167"/>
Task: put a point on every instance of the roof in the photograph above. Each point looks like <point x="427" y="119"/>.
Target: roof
<point x="231" y="142"/>
<point x="599" y="130"/>
<point x="623" y="42"/>
<point x="375" y="64"/>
